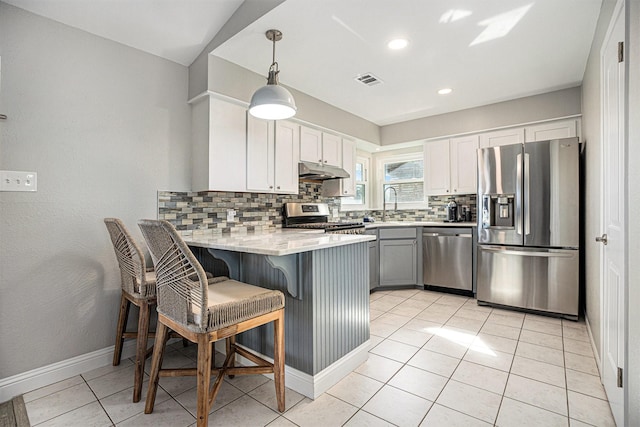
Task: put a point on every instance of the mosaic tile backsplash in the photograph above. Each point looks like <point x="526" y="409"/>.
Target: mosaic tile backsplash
<point x="207" y="211"/>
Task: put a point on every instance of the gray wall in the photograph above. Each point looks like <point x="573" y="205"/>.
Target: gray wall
<point x="106" y="127"/>
<point x="633" y="158"/>
<point x="237" y="82"/>
<point x="546" y="106"/>
<point x="591" y="132"/>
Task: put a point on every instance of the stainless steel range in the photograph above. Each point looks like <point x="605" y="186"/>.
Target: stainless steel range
<point x="316" y="216"/>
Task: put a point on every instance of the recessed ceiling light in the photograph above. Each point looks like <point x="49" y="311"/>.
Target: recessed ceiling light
<point x="396" y="44"/>
<point x="445" y="91"/>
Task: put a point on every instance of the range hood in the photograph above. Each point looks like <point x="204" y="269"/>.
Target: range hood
<point x="310" y="170"/>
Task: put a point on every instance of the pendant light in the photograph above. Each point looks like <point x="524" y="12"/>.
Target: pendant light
<point x="272" y="102"/>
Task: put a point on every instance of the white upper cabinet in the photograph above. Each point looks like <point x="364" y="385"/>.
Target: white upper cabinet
<point x="464" y="164"/>
<point x="272" y="157"/>
<point x="553" y="130"/>
<point x="451" y="166"/>
<point x="320" y="147"/>
<point x="219" y="130"/>
<point x="347" y="186"/>
<point x="310" y="145"/>
<point x="502" y="137"/>
<point x="287" y="153"/>
<point x="437" y="179"/>
<point x="260" y="155"/>
<point x="331" y="149"/>
<point x="349" y="164"/>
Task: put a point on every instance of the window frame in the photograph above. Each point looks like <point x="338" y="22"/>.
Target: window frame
<point x="399" y="158"/>
<point x="367" y="182"/>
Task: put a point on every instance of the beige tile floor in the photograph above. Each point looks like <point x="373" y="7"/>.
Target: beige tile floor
<point x="435" y="360"/>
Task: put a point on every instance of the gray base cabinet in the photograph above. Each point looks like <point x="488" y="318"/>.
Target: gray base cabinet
<point x="398" y="257"/>
<point x="374" y="261"/>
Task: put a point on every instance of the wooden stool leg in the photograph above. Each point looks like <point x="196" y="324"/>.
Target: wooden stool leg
<point x="141" y="350"/>
<point x="123" y="314"/>
<point x="229" y="344"/>
<point x="203" y="380"/>
<point x="162" y="333"/>
<point x="278" y="359"/>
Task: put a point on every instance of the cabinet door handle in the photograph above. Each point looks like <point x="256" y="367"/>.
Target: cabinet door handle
<point x="278" y="187"/>
<point x="454" y="190"/>
<point x="271" y="187"/>
<point x="447" y="191"/>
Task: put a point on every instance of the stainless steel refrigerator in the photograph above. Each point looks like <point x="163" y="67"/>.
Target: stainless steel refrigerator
<point x="528" y="226"/>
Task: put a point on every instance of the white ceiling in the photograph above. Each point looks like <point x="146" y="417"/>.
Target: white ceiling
<point x="487" y="51"/>
<point x="177" y="30"/>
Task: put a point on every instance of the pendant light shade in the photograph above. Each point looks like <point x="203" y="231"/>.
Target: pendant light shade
<point x="272" y="102"/>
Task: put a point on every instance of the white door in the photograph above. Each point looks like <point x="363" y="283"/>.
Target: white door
<point x="614" y="225"/>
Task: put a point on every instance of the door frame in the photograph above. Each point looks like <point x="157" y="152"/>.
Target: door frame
<point x="619" y="9"/>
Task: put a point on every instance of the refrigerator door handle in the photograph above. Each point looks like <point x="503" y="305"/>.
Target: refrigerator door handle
<point x="527" y="208"/>
<point x="518" y="190"/>
<point x="530" y="253"/>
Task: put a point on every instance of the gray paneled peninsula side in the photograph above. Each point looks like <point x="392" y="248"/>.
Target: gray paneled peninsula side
<point x="325" y="279"/>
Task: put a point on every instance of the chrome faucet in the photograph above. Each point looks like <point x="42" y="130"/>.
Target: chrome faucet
<point x="384" y="204"/>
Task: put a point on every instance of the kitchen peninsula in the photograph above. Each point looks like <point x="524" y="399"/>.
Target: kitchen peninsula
<point x="325" y="279"/>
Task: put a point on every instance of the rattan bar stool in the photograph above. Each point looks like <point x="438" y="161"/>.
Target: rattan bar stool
<point x="206" y="310"/>
<point x="138" y="288"/>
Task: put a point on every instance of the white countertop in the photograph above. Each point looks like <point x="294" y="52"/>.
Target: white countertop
<point x="379" y="224"/>
<point x="275" y="242"/>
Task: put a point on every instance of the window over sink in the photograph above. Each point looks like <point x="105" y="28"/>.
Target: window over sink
<point x="404" y="173"/>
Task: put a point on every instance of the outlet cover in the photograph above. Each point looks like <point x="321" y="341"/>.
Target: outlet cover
<point x="18" y="181"/>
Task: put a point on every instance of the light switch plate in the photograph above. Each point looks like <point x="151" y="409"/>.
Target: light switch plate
<point x="18" y="181"/>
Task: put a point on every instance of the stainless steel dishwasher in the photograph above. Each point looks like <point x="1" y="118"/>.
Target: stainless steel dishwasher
<point x="447" y="258"/>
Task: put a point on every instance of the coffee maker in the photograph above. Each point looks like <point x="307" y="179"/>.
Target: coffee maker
<point x="452" y="211"/>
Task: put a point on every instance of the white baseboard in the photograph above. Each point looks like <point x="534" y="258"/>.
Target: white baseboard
<point x="313" y="386"/>
<point x="46" y="375"/>
<point x="596" y="353"/>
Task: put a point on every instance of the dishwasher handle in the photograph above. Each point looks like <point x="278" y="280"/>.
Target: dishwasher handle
<point x="446" y="235"/>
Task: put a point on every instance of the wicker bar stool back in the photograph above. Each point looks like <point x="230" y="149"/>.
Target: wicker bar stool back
<point x="205" y="310"/>
<point x="138" y="288"/>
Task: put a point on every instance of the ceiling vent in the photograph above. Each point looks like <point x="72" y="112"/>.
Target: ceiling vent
<point x="368" y="79"/>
